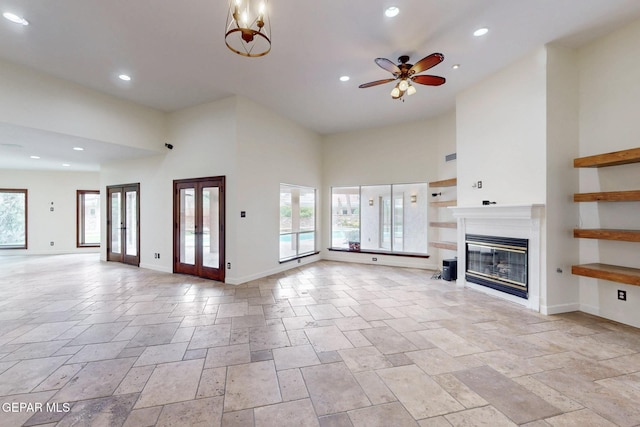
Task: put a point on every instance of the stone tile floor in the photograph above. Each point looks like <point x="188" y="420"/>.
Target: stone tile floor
<point x="84" y="342"/>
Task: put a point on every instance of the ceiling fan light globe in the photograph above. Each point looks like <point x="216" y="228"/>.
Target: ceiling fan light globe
<point x="411" y="90"/>
<point x="395" y="93"/>
<point x="403" y="85"/>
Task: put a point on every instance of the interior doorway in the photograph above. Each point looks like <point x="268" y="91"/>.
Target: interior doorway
<point x="123" y="223"/>
<point x="198" y="217"/>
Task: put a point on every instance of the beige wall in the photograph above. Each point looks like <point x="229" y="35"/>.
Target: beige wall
<point x="38" y="101"/>
<point x="609" y="105"/>
<point x="399" y="154"/>
<point x="47" y="190"/>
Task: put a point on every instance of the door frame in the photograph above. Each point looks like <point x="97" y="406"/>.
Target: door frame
<point x="122" y="256"/>
<point x="198" y="269"/>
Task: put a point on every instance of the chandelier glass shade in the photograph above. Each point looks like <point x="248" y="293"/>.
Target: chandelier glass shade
<point x="248" y="30"/>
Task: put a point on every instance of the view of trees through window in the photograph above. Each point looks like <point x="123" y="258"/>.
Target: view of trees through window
<point x="88" y="218"/>
<point x="297" y="221"/>
<point x="13" y="219"/>
<point x="384" y="218"/>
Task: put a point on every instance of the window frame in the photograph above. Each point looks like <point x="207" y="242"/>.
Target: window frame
<point x="356" y="246"/>
<point x="26" y="217"/>
<point x="80" y="231"/>
<point x="299" y="232"/>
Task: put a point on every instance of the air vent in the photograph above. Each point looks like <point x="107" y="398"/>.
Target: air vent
<point x="450" y="157"/>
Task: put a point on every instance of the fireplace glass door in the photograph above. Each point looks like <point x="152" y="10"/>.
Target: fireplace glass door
<point x="500" y="263"/>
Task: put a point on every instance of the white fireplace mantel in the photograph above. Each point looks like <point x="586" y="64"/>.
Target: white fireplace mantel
<point x="515" y="221"/>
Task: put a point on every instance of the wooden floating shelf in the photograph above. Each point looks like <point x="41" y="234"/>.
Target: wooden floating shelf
<point x="444" y="245"/>
<point x="452" y="182"/>
<point x="440" y="224"/>
<point x="608" y="159"/>
<point x="608" y="234"/>
<point x="613" y="273"/>
<point x="444" y="203"/>
<point x="611" y="196"/>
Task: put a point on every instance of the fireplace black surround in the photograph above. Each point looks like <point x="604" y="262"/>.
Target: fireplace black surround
<point x="500" y="263"/>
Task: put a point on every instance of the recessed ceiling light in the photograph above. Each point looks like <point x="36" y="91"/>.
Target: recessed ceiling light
<point x="124" y="77"/>
<point x="455" y="66"/>
<point x="35" y="157"/>
<point x="15" y="18"/>
<point x="78" y="148"/>
<point x="344" y="78"/>
<point x="391" y="11"/>
<point x="480" y="32"/>
<point x="66" y="165"/>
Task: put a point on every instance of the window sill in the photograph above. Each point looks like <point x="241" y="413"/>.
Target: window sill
<point x="282" y="261"/>
<point x="367" y="251"/>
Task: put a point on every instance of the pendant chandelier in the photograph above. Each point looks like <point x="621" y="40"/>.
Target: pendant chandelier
<point x="248" y="30"/>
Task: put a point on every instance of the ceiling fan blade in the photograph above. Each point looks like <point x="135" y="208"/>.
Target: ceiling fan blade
<point x="385" y="64"/>
<point x="376" y="83"/>
<point x="426" y="63"/>
<point x="428" y="80"/>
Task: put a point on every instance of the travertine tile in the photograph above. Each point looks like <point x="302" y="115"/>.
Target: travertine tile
<point x="105" y="411"/>
<point x="364" y="359"/>
<point x="287" y="414"/>
<point x="292" y="386"/>
<point x="162" y="354"/>
<point x="135" y="380"/>
<point x="382" y="415"/>
<point x="251" y="385"/>
<point x="327" y="338"/>
<point x="324" y="342"/>
<point x="198" y="412"/>
<point x="432" y="399"/>
<point x="295" y="357"/>
<point x="374" y="387"/>
<point x="583" y="417"/>
<point x="486" y="416"/>
<point x="171" y="382"/>
<point x="96" y="379"/>
<point x="212" y="383"/>
<point x="333" y="389"/>
<point x="24" y="376"/>
<point x="509" y="397"/>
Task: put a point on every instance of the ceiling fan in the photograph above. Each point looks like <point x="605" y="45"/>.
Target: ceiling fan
<point x="406" y="73"/>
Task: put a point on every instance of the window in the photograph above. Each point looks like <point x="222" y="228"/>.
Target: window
<point x="13" y="219"/>
<point x="88" y="204"/>
<point x="297" y="221"/>
<point x="380" y="218"/>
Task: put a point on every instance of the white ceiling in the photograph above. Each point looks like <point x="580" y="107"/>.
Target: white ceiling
<point x="175" y="52"/>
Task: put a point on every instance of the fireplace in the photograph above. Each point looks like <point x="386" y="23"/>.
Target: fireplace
<point x="499" y="263"/>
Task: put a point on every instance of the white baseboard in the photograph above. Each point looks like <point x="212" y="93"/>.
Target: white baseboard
<point x="559" y="308"/>
<point x="156" y="267"/>
<point x="386" y="260"/>
<point x="282" y="267"/>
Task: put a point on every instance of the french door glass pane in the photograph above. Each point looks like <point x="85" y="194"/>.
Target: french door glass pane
<point x="187" y="226"/>
<point x="116" y="223"/>
<point x="131" y="231"/>
<point x="210" y="227"/>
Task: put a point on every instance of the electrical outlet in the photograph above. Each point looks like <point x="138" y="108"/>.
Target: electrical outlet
<point x="51" y="243"/>
<point x="158" y="255"/>
<point x="479" y="184"/>
<point x="374" y="259"/>
<point x="298" y="260"/>
<point x="228" y="266"/>
<point x="622" y="295"/>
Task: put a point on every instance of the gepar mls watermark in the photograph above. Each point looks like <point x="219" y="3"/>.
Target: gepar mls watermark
<point x="19" y="407"/>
